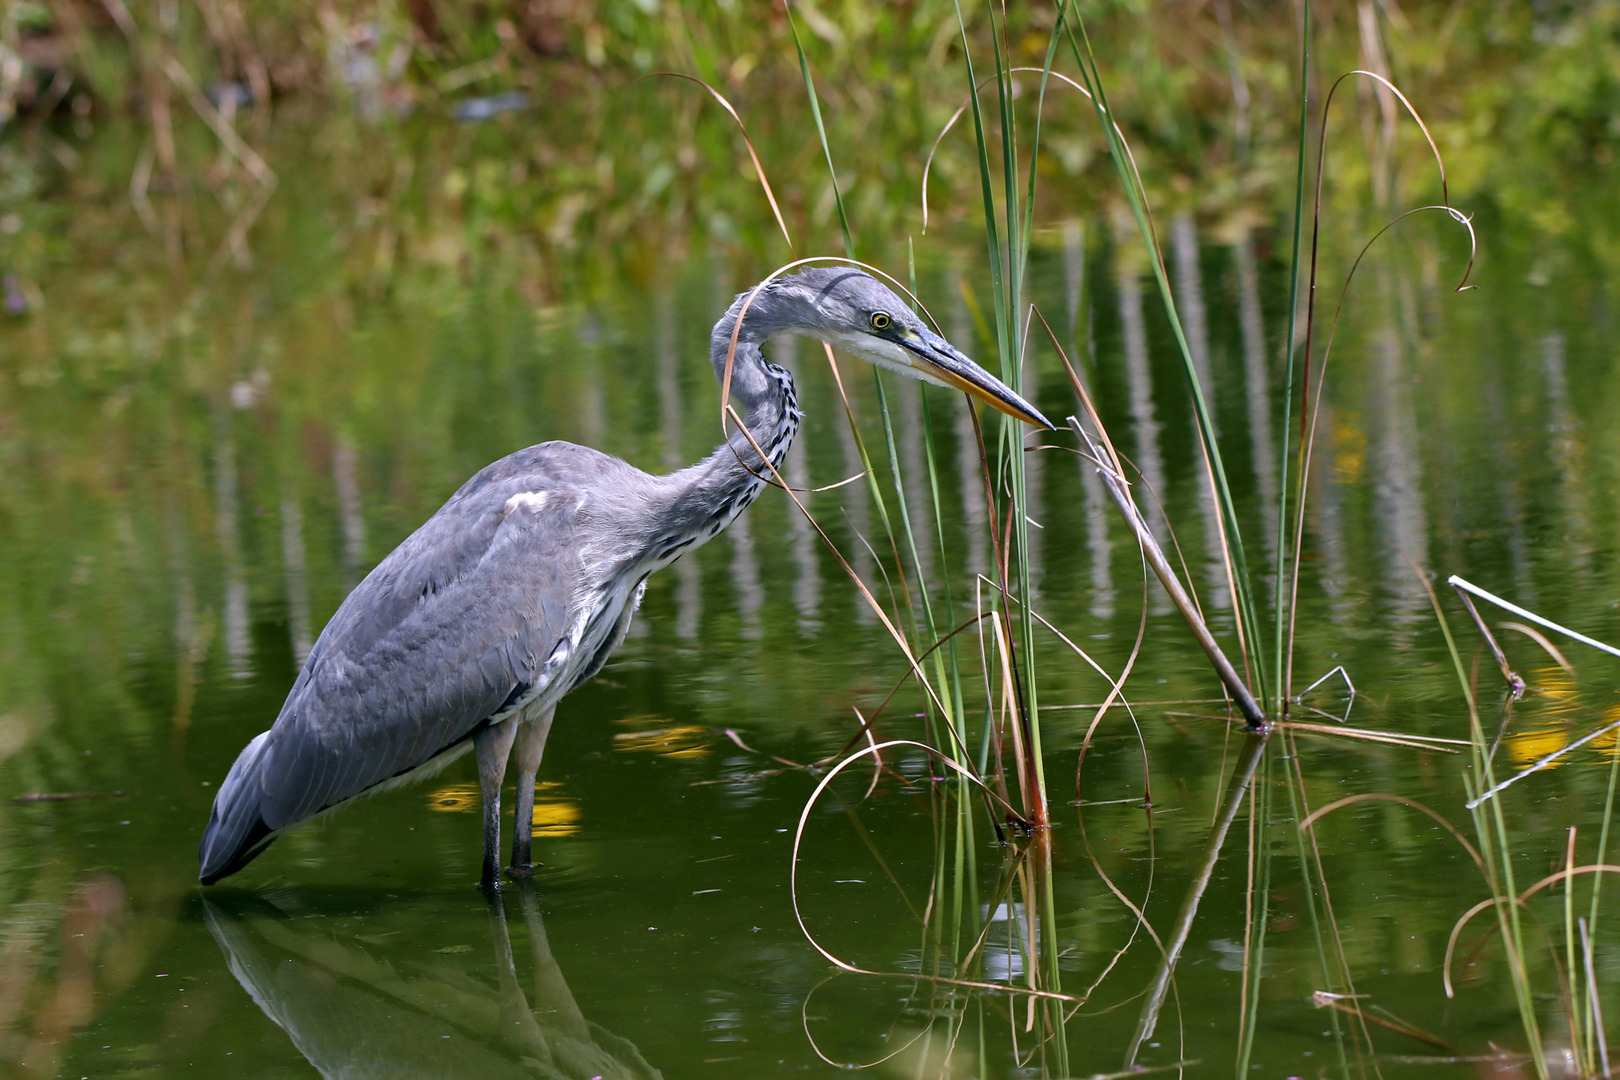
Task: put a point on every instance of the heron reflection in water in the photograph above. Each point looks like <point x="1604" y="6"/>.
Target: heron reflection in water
<point x="354" y="1015"/>
<point x="517" y="590"/>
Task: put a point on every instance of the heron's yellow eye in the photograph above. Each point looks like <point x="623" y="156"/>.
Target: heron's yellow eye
<point x="881" y="320"/>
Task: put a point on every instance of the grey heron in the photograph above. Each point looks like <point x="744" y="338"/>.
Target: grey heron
<point x="519" y="587"/>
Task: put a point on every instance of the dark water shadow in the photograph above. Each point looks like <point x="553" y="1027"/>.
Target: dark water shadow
<point x="354" y="1014"/>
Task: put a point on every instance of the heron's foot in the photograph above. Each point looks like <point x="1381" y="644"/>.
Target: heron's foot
<point x="521" y="871"/>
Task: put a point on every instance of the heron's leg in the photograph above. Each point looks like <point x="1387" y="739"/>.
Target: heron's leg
<point x="493" y="746"/>
<point x="531" y="744"/>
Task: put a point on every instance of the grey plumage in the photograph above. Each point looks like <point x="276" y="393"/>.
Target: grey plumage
<point x="519" y="587"/>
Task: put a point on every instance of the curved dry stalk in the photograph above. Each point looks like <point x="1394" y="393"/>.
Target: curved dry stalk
<point x="1115" y="691"/>
<point x="1378" y="796"/>
<point x="1308" y="427"/>
<point x="1091" y="853"/>
<point x="1496" y="901"/>
<point x="871" y="740"/>
<point x="793" y="875"/>
<point x="759" y="170"/>
<point x="1081" y="653"/>
<point x="1541" y="639"/>
<point x="865" y="730"/>
<point x="895" y="689"/>
<point x="1338" y="731"/>
<point x="928" y="164"/>
<point x="845" y="482"/>
<point x="894" y="632"/>
<point x="815" y="1048"/>
<point x="1191" y="610"/>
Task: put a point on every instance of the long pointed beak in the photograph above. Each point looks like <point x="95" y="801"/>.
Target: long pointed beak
<point x="940" y="359"/>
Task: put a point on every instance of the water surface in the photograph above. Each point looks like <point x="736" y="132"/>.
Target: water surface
<point x="197" y="466"/>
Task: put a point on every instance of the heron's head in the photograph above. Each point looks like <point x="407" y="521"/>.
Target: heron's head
<point x="852" y="310"/>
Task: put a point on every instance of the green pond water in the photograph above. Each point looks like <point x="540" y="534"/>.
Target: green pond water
<point x="197" y="463"/>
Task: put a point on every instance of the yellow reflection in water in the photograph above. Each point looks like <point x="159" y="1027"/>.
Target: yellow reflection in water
<point x="1560" y="717"/>
<point x="1609" y="742"/>
<point x="459" y="797"/>
<point x="1535" y="744"/>
<point x="1557" y="693"/>
<point x="553" y="815"/>
<point x="659" y="737"/>
<point x="1349" y="449"/>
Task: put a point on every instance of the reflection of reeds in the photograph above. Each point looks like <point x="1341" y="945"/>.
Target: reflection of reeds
<point x="62" y="997"/>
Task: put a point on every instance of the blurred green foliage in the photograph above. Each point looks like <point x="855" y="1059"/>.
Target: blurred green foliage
<point x="1522" y="98"/>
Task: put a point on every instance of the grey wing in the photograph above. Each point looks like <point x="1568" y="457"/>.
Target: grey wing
<point x="457" y="623"/>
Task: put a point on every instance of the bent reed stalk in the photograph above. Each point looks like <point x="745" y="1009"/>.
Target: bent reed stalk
<point x="954" y="924"/>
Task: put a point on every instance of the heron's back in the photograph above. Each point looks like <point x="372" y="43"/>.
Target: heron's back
<point x="509" y="595"/>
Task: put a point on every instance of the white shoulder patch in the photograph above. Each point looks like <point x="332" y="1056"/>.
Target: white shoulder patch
<point x="527" y="500"/>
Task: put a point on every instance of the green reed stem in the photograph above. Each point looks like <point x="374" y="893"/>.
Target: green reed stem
<point x="1006" y="266"/>
<point x="1495" y="848"/>
<point x="821" y="132"/>
<point x="860" y="443"/>
<point x="952" y="657"/>
<point x="1597" y="885"/>
<point x="1308" y="879"/>
<point x="1246" y="609"/>
<point x="1260" y="897"/>
<point x="1280" y="667"/>
<point x="1052" y="973"/>
<point x="958" y="749"/>
<point x="948" y="664"/>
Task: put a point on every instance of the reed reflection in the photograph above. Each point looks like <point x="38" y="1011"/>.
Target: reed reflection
<point x="295" y="566"/>
<point x="908" y="435"/>
<point x="745" y="575"/>
<point x="1144" y="421"/>
<point x="227" y="533"/>
<point x="1093" y="494"/>
<point x="353" y="1011"/>
<point x="1257" y="389"/>
<point x="1403" y="521"/>
<point x="969" y="470"/>
<point x="1034" y="472"/>
<point x="346" y="479"/>
<point x="1189" y="290"/>
<point x="1566" y="451"/>
<point x="1507" y="469"/>
<point x="1325" y="510"/>
<point x="857" y="512"/>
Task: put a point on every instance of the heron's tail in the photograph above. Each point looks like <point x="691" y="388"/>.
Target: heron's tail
<point x="236" y="830"/>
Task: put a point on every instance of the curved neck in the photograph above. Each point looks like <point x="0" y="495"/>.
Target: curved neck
<point x="763" y="396"/>
<point x="706" y="496"/>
